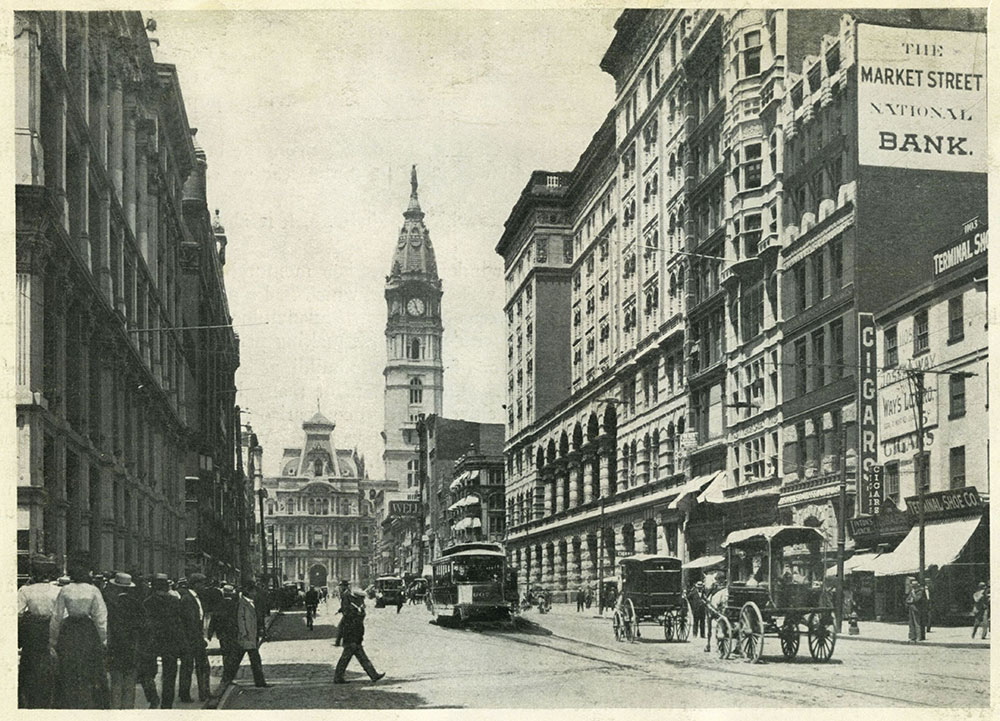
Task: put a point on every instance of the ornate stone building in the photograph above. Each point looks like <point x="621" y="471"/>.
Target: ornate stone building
<point x="717" y="241"/>
<point x="122" y="394"/>
<point x="318" y="511"/>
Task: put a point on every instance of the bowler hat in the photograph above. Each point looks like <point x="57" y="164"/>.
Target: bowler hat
<point x="182" y="583"/>
<point x="123" y="580"/>
<point x="196" y="578"/>
<point x="159" y="581"/>
<point x="982" y="584"/>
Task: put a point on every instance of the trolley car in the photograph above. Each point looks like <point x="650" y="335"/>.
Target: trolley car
<point x="471" y="581"/>
<point x="775" y="586"/>
<point x="651" y="592"/>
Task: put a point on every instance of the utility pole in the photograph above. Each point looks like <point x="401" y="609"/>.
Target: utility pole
<point x="842" y="522"/>
<point x="919" y="463"/>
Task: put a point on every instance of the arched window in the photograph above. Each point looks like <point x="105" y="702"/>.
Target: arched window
<point x="413" y="349"/>
<point x="416" y="390"/>
<point x="318" y="467"/>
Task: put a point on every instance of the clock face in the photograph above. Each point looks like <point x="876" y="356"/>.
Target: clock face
<point x="415" y="306"/>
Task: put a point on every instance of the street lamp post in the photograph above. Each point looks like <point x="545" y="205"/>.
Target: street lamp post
<point x="919" y="464"/>
<point x="261" y="495"/>
<point x="842" y="523"/>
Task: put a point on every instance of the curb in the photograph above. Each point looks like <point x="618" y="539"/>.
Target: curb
<point x="925" y="644"/>
<point x="219" y="702"/>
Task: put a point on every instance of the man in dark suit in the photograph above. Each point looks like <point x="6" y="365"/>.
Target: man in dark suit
<point x="163" y="635"/>
<point x="351" y="633"/>
<point x="194" y="648"/>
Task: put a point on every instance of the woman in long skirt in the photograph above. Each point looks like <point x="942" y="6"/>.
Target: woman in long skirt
<point x="78" y="634"/>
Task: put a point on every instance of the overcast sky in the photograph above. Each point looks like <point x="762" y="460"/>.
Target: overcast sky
<point x="311" y="121"/>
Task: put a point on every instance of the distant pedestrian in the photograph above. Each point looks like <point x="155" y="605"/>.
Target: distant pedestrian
<point x="351" y="632"/>
<point x="35" y="604"/>
<point x="78" y="634"/>
<point x="126" y="626"/>
<point x="696" y="599"/>
<point x="312" y="604"/>
<point x="589" y="597"/>
<point x="581" y="598"/>
<point x="914" y="607"/>
<point x="247" y="638"/>
<point x="210" y="595"/>
<point x="194" y="648"/>
<point x="400" y="600"/>
<point x="981" y="610"/>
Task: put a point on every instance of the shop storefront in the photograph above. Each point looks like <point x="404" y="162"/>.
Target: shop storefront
<point x="956" y="554"/>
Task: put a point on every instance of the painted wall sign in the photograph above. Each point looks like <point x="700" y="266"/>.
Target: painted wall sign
<point x="921" y="98"/>
<point x="944" y="504"/>
<point x="897" y="400"/>
<point x="867" y="405"/>
<point x="404" y="508"/>
<point x="972" y="244"/>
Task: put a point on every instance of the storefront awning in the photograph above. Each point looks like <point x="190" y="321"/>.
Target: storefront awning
<point x="943" y="542"/>
<point x="705" y="562"/>
<point x="713" y="492"/>
<point x="857" y="562"/>
<point x="695" y="485"/>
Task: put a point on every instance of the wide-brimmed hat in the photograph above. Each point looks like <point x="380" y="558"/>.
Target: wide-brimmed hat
<point x="124" y="580"/>
<point x="182" y="583"/>
<point x="196" y="578"/>
<point x="160" y="580"/>
<point x="63" y="580"/>
<point x="227" y="589"/>
<point x="982" y="584"/>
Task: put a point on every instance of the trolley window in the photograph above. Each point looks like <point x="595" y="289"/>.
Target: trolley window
<point x="478" y="570"/>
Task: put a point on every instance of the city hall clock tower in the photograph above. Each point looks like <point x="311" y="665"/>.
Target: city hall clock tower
<point x="414" y="373"/>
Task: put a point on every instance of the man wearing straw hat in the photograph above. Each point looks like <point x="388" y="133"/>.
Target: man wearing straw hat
<point x="125" y="627"/>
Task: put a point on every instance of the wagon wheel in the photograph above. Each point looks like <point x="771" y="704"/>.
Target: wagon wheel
<point x="751" y="632"/>
<point x="683" y="627"/>
<point x="616" y="622"/>
<point x="822" y="635"/>
<point x="668" y="627"/>
<point x="723" y="637"/>
<point x="789" y="635"/>
<point x="631" y="621"/>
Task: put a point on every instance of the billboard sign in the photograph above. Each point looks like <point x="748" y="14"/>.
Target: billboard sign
<point x="404" y="508"/>
<point x="867" y="406"/>
<point x="921" y="98"/>
<point x="973" y="243"/>
<point x="897" y="400"/>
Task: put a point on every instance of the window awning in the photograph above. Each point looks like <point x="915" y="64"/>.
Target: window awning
<point x="462" y="524"/>
<point x="943" y="543"/>
<point x="475" y="523"/>
<point x="695" y="485"/>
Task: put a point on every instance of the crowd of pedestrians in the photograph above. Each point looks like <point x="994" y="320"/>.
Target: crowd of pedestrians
<point x="87" y="639"/>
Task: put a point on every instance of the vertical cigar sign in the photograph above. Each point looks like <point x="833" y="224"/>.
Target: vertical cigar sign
<point x="921" y="98"/>
<point x="867" y="409"/>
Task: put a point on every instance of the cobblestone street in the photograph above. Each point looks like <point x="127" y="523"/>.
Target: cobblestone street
<point x="568" y="660"/>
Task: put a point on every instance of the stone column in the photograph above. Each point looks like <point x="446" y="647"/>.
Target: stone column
<point x="604" y="462"/>
<point x="559" y="578"/>
<point x="561" y="478"/>
<point x="587" y="474"/>
<point x="129" y="181"/>
<point x="543" y="490"/>
<point x="28" y="152"/>
<point x="142" y="185"/>
<point x="574" y="470"/>
<point x="116" y="119"/>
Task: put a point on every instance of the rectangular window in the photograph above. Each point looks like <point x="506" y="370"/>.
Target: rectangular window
<point x="923" y="467"/>
<point x="836" y="349"/>
<point x="956" y="396"/>
<point x="751" y="167"/>
<point x="891" y="347"/>
<point x="800" y="450"/>
<point x="956" y="465"/>
<point x="956" y="319"/>
<point x="751" y="53"/>
<point x="752" y="312"/>
<point x="836" y="265"/>
<point x="892" y="482"/>
<point x="801" y="369"/>
<point x="921" y="333"/>
<point x="819" y="277"/>
<point x="819" y="358"/>
<point x="801" y="300"/>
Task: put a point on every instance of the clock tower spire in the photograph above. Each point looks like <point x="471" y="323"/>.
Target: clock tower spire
<point x="414" y="372"/>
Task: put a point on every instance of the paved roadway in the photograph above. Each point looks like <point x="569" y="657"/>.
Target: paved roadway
<point x="568" y="660"/>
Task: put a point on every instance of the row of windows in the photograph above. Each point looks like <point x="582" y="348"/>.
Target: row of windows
<point x="819" y="357"/>
<point x="956" y="473"/>
<point x="818" y="276"/>
<point x="921" y="332"/>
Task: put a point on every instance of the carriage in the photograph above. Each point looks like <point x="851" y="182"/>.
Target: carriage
<point x="651" y="591"/>
<point x="775" y="586"/>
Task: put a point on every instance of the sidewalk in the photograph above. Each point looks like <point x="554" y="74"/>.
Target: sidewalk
<point x="218" y="701"/>
<point x="870" y="631"/>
